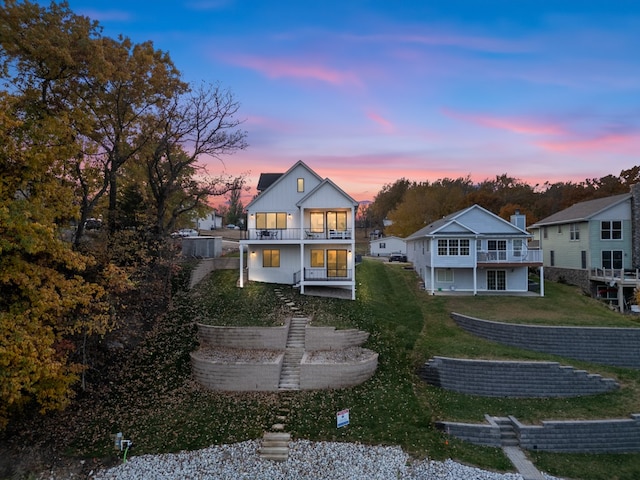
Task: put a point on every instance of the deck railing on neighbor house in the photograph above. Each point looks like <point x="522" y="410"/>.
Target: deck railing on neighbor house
<point x="297" y="234"/>
<point x="509" y="256"/>
<point x="615" y="274"/>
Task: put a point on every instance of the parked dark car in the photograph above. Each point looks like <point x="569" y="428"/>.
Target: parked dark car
<point x="397" y="257"/>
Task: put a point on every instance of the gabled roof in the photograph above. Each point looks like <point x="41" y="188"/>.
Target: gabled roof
<point x="455" y="224"/>
<point x="266" y="179"/>
<point x="583" y="211"/>
<point x="322" y="185"/>
<point x="283" y="175"/>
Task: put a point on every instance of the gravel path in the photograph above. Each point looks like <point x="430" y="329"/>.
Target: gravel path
<point x="307" y="460"/>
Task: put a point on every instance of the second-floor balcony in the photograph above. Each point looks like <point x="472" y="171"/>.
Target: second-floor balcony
<point x="524" y="256"/>
<point x="297" y="234"/>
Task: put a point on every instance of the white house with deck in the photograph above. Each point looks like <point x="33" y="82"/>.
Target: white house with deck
<point x="475" y="251"/>
<point x="301" y="232"/>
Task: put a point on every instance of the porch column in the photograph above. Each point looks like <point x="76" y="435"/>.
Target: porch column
<point x="241" y="266"/>
<point x="541" y="281"/>
<point x="431" y="269"/>
<point x="475" y="279"/>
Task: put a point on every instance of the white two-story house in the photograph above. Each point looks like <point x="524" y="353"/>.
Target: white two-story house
<point x="301" y="232"/>
<point x="475" y="251"/>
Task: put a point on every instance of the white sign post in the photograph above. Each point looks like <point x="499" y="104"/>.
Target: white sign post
<point x="342" y="418"/>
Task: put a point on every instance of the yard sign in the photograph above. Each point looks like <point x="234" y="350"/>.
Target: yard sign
<point x="342" y="418"/>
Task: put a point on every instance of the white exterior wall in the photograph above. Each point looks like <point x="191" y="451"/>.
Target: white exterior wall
<point x="289" y="264"/>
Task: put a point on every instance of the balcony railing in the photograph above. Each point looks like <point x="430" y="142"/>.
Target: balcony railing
<point x="510" y="256"/>
<point x="297" y="234"/>
<point x="328" y="274"/>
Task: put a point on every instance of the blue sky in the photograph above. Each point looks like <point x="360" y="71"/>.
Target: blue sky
<point x="367" y="92"/>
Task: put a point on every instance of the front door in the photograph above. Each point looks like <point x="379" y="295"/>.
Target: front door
<point x="496" y="280"/>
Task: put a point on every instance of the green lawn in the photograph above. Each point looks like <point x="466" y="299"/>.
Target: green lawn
<point x="163" y="410"/>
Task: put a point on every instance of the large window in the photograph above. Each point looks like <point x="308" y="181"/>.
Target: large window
<point x="271" y="258"/>
<point x="444" y="275"/>
<point x="273" y="220"/>
<point x="317" y="222"/>
<point x="453" y="246"/>
<point x="317" y="258"/>
<point x="612" y="259"/>
<point x="337" y="221"/>
<point x="300" y="184"/>
<point x="611" y="230"/>
<point x="336" y="263"/>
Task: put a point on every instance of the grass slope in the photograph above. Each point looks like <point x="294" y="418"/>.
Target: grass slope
<point x="152" y="399"/>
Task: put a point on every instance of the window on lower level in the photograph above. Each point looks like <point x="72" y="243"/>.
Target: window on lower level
<point x="444" y="275"/>
<point x="271" y="258"/>
<point x="317" y="258"/>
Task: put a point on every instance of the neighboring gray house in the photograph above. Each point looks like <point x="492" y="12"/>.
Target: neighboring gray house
<point x="385" y="246"/>
<point x="211" y="221"/>
<point x="594" y="245"/>
<point x="476" y="251"/>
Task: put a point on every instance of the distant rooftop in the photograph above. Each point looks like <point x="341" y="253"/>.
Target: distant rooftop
<point x="266" y="179"/>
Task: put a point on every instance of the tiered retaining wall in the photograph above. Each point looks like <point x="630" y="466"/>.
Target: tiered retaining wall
<point x="513" y="379"/>
<point x="569" y="436"/>
<point x="328" y="338"/>
<point x="265" y="375"/>
<point x="248" y="338"/>
<point x="316" y="376"/>
<point x="239" y="376"/>
<point x="604" y="345"/>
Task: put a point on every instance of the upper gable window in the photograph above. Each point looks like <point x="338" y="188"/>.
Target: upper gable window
<point x="300" y="184"/>
<point x="611" y="230"/>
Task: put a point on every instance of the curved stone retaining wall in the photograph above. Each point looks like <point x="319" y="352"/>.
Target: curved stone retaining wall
<point x="238" y="376"/>
<point x="315" y="376"/>
<point x="570" y="436"/>
<point x="605" y="345"/>
<point x="260" y="338"/>
<point x="328" y="338"/>
<point x="492" y="378"/>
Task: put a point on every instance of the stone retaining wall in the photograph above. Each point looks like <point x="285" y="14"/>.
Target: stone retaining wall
<point x="328" y="338"/>
<point x="568" y="436"/>
<point x="492" y="378"/>
<point x="258" y="338"/>
<point x="316" y="376"/>
<point x="238" y="376"/>
<point x="605" y="345"/>
<point x="477" y="433"/>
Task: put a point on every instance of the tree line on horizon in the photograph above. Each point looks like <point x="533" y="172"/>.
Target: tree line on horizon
<point x="409" y="206"/>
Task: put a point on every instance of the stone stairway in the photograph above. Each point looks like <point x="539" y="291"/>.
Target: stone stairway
<point x="508" y="435"/>
<point x="290" y="373"/>
<point x="275" y="446"/>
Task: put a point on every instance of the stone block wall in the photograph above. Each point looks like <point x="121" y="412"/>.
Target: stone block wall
<point x="567" y="436"/>
<point x="477" y="433"/>
<point x="604" y="345"/>
<point x="328" y="338"/>
<point x="316" y="376"/>
<point x="513" y="379"/>
<point x="238" y="376"/>
<point x="572" y="276"/>
<point x="587" y="436"/>
<point x="260" y="338"/>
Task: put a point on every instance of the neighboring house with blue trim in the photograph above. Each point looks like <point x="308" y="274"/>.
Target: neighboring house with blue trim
<point x="475" y="251"/>
<point x="591" y="245"/>
<point x="301" y="232"/>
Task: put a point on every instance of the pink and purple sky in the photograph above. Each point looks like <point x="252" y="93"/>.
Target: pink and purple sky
<point x="367" y="92"/>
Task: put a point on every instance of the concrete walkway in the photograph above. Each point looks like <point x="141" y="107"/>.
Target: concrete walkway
<point x="522" y="464"/>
